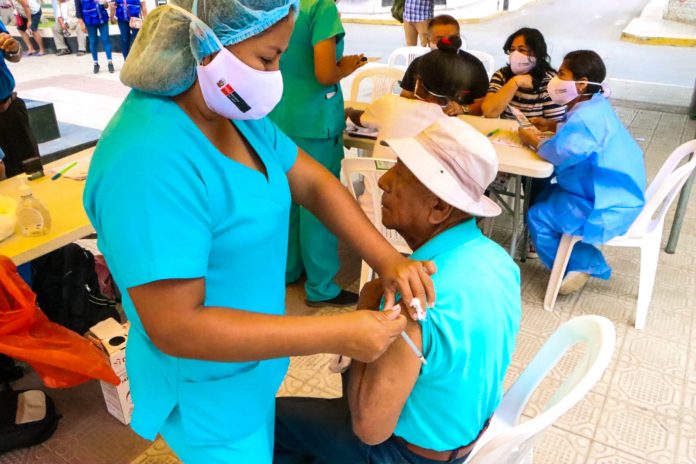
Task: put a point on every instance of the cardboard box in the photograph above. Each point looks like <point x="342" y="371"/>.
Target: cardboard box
<point x="111" y="337"/>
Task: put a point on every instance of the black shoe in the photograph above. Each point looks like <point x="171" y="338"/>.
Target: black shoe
<point x="345" y="298"/>
<point x="111" y="67"/>
<point x="80" y="52"/>
<point x="96" y="68"/>
<point x="63" y="52"/>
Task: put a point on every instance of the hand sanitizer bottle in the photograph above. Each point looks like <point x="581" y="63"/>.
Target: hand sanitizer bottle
<point x="33" y="219"/>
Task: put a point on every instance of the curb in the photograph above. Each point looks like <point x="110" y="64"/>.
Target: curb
<point x="669" y="41"/>
<point x="394" y="22"/>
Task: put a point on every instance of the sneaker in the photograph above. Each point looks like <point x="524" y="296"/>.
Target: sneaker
<point x="345" y="298"/>
<point x="39" y="53"/>
<point x="95" y="70"/>
<point x="572" y="282"/>
<point x="111" y="67"/>
<point x="63" y="52"/>
<point x="532" y="253"/>
<point x="81" y="52"/>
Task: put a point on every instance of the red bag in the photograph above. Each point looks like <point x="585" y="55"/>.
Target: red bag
<point x="60" y="356"/>
<point x="19" y="20"/>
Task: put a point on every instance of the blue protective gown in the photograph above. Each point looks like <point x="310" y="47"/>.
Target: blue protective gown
<point x="600" y="180"/>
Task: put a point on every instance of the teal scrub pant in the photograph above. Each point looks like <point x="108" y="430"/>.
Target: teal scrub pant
<point x="311" y="247"/>
<point x="254" y="448"/>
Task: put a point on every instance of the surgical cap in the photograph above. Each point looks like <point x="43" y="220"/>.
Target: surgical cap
<point x="163" y="59"/>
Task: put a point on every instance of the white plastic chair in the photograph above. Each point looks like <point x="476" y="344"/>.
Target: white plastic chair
<point x="645" y="232"/>
<point x="507" y="441"/>
<point x="371" y="169"/>
<point x="403" y="56"/>
<point x="384" y="79"/>
<point x="485" y="58"/>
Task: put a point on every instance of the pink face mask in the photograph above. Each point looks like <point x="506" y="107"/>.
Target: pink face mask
<point x="563" y="92"/>
<point x="521" y="63"/>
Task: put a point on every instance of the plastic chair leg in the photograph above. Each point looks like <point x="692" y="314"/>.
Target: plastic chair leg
<point x="488" y="226"/>
<point x="565" y="247"/>
<point x="366" y="274"/>
<point x="649" y="256"/>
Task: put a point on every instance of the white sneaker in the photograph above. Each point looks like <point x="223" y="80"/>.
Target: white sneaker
<point x="572" y="282"/>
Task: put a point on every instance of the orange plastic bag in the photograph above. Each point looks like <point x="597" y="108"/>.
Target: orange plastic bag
<point x="60" y="356"/>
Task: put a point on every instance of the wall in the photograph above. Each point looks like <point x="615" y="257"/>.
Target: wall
<point x="681" y="10"/>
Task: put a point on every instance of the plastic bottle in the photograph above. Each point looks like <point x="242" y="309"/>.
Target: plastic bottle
<point x="33" y="218"/>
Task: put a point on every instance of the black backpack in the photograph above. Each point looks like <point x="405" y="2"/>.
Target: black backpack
<point x="27" y="418"/>
<point x="67" y="289"/>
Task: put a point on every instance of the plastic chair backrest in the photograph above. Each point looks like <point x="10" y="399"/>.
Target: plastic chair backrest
<point x="407" y="54"/>
<point x="383" y="78"/>
<point x="508" y="441"/>
<point x="371" y="169"/>
<point x="485" y="58"/>
<point x="663" y="190"/>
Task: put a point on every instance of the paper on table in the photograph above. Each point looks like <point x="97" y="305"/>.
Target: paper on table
<point x="506" y="137"/>
<point x="77" y="172"/>
<point x="365" y="132"/>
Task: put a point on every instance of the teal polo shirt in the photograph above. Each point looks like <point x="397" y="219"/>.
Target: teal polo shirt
<point x="309" y="109"/>
<point x="468" y="339"/>
<point x="7" y="82"/>
<point x="166" y="204"/>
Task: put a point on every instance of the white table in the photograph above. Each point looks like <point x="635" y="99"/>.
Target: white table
<point x="63" y="198"/>
<point x="519" y="162"/>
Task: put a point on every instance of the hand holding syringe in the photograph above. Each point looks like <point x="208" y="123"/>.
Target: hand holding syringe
<point x="420" y="315"/>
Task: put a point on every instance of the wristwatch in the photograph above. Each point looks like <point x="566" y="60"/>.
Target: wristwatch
<point x="465" y="109"/>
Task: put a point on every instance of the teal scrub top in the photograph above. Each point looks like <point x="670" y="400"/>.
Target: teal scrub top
<point x="310" y="109"/>
<point x="166" y="204"/>
<point x="468" y="339"/>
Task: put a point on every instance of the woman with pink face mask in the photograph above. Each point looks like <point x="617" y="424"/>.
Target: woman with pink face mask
<point x="522" y="83"/>
<point x="599" y="172"/>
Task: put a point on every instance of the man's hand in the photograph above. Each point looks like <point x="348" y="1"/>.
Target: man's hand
<point x="453" y="109"/>
<point x="83" y="27"/>
<point x="372" y="333"/>
<point x="543" y="124"/>
<point x="411" y="279"/>
<point x="524" y="81"/>
<point x="8" y="44"/>
<point x="530" y="136"/>
<point x="349" y="63"/>
<point x="371" y="295"/>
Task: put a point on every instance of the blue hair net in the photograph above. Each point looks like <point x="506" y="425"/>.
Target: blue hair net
<point x="177" y="36"/>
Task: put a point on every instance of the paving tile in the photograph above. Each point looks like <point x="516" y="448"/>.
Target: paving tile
<point x="581" y="419"/>
<point x="656" y="354"/>
<point x="645" y="388"/>
<point x="557" y="446"/>
<point x="638" y="431"/>
<point x="686" y="451"/>
<point x="603" y="454"/>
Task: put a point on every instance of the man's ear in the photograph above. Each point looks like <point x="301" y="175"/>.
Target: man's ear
<point x="440" y="211"/>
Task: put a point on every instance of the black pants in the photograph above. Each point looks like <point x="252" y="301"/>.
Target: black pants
<point x="17" y="140"/>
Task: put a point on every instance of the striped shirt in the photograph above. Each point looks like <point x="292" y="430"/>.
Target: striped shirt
<point x="532" y="103"/>
<point x="416" y="11"/>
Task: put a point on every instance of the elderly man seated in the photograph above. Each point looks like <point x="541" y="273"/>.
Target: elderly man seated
<point x="397" y="409"/>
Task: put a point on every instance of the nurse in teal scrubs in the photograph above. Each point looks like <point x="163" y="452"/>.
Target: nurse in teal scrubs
<point x="189" y="191"/>
<point x="311" y="113"/>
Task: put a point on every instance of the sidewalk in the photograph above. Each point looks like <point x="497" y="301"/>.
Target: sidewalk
<point x="652" y="29"/>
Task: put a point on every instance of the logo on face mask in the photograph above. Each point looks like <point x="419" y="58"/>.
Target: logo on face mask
<point x="228" y="91"/>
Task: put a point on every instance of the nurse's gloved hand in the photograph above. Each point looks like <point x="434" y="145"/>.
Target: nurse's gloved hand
<point x="412" y="280"/>
<point x="370" y="333"/>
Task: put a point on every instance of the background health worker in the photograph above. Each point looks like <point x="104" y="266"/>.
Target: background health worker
<point x="598" y="167"/>
<point x="311" y="113"/>
<point x="196" y="232"/>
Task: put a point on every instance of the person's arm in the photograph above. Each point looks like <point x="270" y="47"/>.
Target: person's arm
<point x="495" y="103"/>
<point x="323" y="195"/>
<point x="27" y="12"/>
<point x="455" y="108"/>
<point x="354" y="115"/>
<point x="143" y="9"/>
<point x="170" y="308"/>
<point x="10" y="48"/>
<point x="326" y="69"/>
<point x="2" y="169"/>
<point x="378" y="391"/>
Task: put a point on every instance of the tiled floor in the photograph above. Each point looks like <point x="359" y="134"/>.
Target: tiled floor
<point x="642" y="411"/>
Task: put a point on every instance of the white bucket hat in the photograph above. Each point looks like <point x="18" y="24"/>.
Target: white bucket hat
<point x="455" y="162"/>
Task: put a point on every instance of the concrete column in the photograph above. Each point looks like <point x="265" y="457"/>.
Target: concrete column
<point x="681" y="10"/>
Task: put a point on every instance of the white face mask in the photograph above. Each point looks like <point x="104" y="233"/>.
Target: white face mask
<point x="230" y="87"/>
<point x="521" y="63"/>
<point x="235" y="90"/>
<point x="562" y="92"/>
